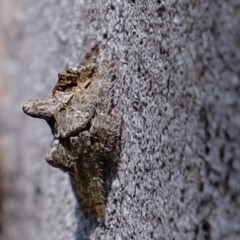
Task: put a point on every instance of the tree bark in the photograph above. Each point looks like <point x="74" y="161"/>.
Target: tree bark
<point x="177" y="70"/>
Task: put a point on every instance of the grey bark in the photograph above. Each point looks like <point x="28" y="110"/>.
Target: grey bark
<point x="177" y="69"/>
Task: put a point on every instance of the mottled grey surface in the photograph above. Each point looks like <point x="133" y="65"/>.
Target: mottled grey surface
<point x="177" y="67"/>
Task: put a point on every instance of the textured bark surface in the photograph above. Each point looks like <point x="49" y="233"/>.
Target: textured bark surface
<point x="177" y="68"/>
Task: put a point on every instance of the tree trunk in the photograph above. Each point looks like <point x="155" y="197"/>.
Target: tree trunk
<point x="177" y="77"/>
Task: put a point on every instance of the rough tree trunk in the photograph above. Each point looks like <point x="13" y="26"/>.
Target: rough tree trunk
<point x="177" y="74"/>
